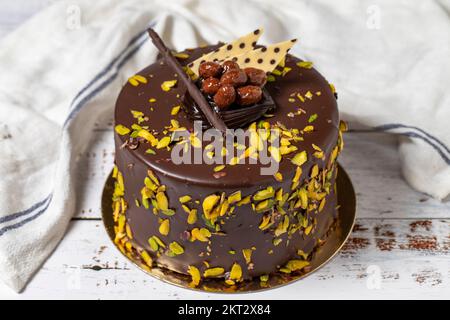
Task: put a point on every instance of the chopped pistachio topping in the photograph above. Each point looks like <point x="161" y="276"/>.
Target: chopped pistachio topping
<point x="209" y="203"/>
<point x="164" y="142"/>
<point x="332" y="87"/>
<point x="312" y="118"/>
<point x="314" y="171"/>
<point x="213" y="272"/>
<point x="275" y="153"/>
<point x="164" y="227"/>
<point x="136" y="80"/>
<point x="181" y="55"/>
<point x="195" y="276"/>
<point x="278" y="176"/>
<point x="285" y="71"/>
<point x="175" y="248"/>
<point x="300" y="158"/>
<point x="175" y="110"/>
<point x="167" y="85"/>
<point x="270" y="78"/>
<point x="236" y="272"/>
<point x="305" y="64"/>
<point x="161" y="199"/>
<point x="192" y="217"/>
<point x="234" y="197"/>
<point x="146" y="257"/>
<point x="122" y="130"/>
<point x="295" y="265"/>
<point x="267" y="193"/>
<point x="184" y="199"/>
<point x="202" y="234"/>
<point x="247" y="253"/>
<point x="219" y="168"/>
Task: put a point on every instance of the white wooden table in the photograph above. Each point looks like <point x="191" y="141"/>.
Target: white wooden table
<point x="400" y="247"/>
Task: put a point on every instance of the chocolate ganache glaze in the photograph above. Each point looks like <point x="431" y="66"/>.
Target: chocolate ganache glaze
<point x="261" y="229"/>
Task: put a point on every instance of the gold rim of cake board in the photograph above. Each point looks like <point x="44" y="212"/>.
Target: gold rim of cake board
<point x="336" y="239"/>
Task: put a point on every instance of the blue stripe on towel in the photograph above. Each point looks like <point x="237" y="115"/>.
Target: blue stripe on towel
<point x="391" y="126"/>
<point x="108" y="67"/>
<point x="25" y="221"/>
<point x="121" y="59"/>
<point x="414" y="132"/>
<point x="104" y="84"/>
<point x="24" y="212"/>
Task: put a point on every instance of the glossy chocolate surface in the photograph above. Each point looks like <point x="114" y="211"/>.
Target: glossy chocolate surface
<point x="240" y="230"/>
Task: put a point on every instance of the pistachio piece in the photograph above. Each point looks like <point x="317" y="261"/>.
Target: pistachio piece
<point x="308" y="229"/>
<point x="264" y="205"/>
<point x="213" y="272"/>
<point x="236" y="272"/>
<point x="265" y="223"/>
<point x="282" y="226"/>
<point x="192" y="217"/>
<point x="314" y="171"/>
<point x="247" y="253"/>
<point x="294" y="265"/>
<point x="121" y="224"/>
<point x="164" y="227"/>
<point x="175" y="248"/>
<point x="167" y="85"/>
<point x="275" y="153"/>
<point x="122" y="130"/>
<point x="278" y="176"/>
<point x="195" y="276"/>
<point x="175" y="110"/>
<point x="209" y="203"/>
<point x="219" y="168"/>
<point x="202" y="234"/>
<point x="164" y="142"/>
<point x="161" y="200"/>
<point x="264" y="278"/>
<point x="305" y="64"/>
<point x="143" y="133"/>
<point x="267" y="193"/>
<point x="300" y="158"/>
<point x="321" y="205"/>
<point x="184" y="199"/>
<point x="234" y="197"/>
<point x="153" y="177"/>
<point x="245" y="200"/>
<point x="146" y="257"/>
<point x="153" y="244"/>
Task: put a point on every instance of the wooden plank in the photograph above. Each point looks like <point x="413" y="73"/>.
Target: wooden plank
<point x="412" y="258"/>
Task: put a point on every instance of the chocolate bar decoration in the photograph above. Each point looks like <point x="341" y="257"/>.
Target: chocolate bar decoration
<point x="195" y="93"/>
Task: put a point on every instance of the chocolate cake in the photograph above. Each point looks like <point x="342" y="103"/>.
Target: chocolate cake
<point x="228" y="221"/>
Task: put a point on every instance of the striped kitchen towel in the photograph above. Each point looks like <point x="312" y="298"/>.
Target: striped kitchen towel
<point x="64" y="68"/>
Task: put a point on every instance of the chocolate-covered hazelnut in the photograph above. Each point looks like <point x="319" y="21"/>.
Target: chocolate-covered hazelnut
<point x="256" y="77"/>
<point x="248" y="95"/>
<point x="210" y="85"/>
<point x="225" y="96"/>
<point x="209" y="69"/>
<point x="230" y="65"/>
<point x="235" y="78"/>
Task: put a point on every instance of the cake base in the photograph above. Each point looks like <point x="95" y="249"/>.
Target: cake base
<point x="338" y="235"/>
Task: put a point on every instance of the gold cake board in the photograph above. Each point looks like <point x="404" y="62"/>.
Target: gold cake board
<point x="336" y="239"/>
